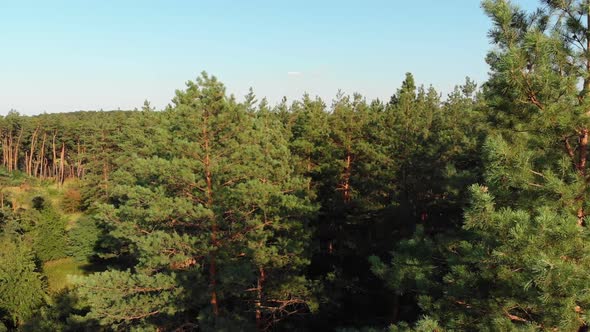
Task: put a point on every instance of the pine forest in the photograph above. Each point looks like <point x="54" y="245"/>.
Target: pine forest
<point x="468" y="211"/>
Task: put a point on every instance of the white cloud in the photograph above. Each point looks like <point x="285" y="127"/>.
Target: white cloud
<point x="294" y="73"/>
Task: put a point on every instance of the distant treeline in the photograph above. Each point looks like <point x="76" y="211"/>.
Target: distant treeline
<point x="58" y="146"/>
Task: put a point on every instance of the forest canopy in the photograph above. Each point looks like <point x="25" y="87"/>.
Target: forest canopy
<point x="466" y="212"/>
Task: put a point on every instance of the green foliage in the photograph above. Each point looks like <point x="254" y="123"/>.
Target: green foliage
<point x="518" y="261"/>
<point x="83" y="239"/>
<point x="222" y="209"/>
<point x="65" y="313"/>
<point x="221" y="214"/>
<point x="235" y="215"/>
<point x="120" y="298"/>
<point x="21" y="287"/>
<point x="50" y="239"/>
<point x="38" y="203"/>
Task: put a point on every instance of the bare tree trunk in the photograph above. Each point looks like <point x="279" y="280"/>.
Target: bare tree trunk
<point x="5" y="149"/>
<point x="29" y="162"/>
<point x="82" y="172"/>
<point x="62" y="163"/>
<point x="54" y="167"/>
<point x="41" y="162"/>
<point x="16" y="149"/>
<point x="45" y="168"/>
<point x="10" y="150"/>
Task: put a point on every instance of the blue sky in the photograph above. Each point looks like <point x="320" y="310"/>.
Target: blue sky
<point x="59" y="56"/>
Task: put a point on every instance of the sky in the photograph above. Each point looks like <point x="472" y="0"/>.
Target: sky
<point x="63" y="56"/>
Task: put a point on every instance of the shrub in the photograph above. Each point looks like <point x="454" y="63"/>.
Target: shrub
<point x="38" y="203"/>
<point x="82" y="239"/>
<point x="50" y="237"/>
<point x="21" y="288"/>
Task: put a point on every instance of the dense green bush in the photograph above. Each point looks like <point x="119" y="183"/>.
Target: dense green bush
<point x="39" y="203"/>
<point x="49" y="235"/>
<point x="21" y="287"/>
<point x="82" y="239"/>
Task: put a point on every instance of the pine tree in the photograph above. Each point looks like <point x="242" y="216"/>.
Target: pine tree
<point x="546" y="108"/>
<point x="50" y="239"/>
<point x="21" y="287"/>
<point x="277" y="240"/>
<point x="310" y="133"/>
<point x="350" y="201"/>
<point x="219" y="219"/>
<point x="520" y="260"/>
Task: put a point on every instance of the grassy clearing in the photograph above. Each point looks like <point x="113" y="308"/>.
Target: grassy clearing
<point x="20" y="192"/>
<point x="57" y="272"/>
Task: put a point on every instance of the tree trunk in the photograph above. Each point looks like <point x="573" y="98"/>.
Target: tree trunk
<point x="258" y="304"/>
<point x="582" y="169"/>
<point x="62" y="158"/>
<point x="29" y="162"/>
<point x="41" y="158"/>
<point x="54" y="168"/>
<point x="584" y="132"/>
<point x="4" y="149"/>
<point x="10" y="150"/>
<point x="17" y="148"/>
<point x="346" y="181"/>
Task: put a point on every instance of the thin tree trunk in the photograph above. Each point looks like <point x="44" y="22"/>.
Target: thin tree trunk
<point x="41" y="158"/>
<point x="258" y="304"/>
<point x="62" y="163"/>
<point x="54" y="168"/>
<point x="45" y="169"/>
<point x="584" y="132"/>
<point x="347" y="173"/>
<point x="4" y="150"/>
<point x="584" y="136"/>
<point x="83" y="168"/>
<point x="29" y="162"/>
<point x="582" y="167"/>
<point x="16" y="149"/>
<point x="9" y="158"/>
